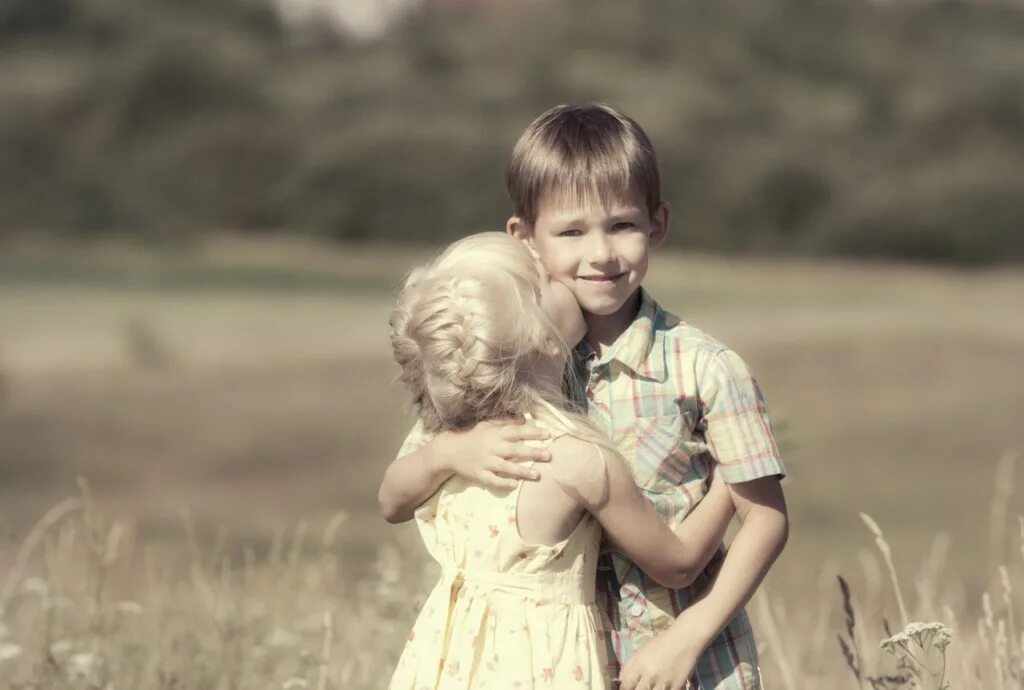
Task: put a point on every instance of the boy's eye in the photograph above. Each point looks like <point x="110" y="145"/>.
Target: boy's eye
<point x="572" y="232"/>
<point x="623" y="225"/>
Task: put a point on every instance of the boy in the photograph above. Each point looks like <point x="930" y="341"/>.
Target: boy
<point x="585" y="185"/>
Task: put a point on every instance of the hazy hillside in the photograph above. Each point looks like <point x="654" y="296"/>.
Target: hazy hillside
<point x="790" y="126"/>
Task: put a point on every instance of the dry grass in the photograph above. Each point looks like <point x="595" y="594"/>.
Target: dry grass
<point x="257" y="400"/>
<point x="986" y="650"/>
<point x="86" y="607"/>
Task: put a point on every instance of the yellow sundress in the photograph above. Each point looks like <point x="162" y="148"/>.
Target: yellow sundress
<point x="505" y="614"/>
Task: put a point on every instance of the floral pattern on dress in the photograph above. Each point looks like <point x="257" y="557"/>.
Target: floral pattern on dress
<point x="505" y="614"/>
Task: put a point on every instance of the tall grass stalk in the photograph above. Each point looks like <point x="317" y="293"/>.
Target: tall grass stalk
<point x="999" y="509"/>
<point x="883" y="547"/>
<point x="772" y="630"/>
<point x="31" y="543"/>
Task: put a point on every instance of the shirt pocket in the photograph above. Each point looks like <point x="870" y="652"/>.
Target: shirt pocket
<point x="664" y="448"/>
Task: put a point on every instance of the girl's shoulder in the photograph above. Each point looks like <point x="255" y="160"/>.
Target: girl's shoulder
<point x="581" y="467"/>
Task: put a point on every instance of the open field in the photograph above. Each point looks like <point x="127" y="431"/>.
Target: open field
<point x="249" y="385"/>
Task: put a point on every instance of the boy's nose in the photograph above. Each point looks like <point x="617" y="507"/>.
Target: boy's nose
<point x="600" y="250"/>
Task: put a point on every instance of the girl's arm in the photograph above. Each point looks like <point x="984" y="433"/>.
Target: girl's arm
<point x="672" y="558"/>
<point x="486" y="454"/>
<point x="411" y="479"/>
<point x="706" y="524"/>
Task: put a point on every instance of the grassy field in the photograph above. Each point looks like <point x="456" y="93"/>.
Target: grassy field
<point x="242" y="389"/>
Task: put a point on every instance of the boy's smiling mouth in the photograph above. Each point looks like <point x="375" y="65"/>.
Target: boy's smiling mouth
<point x="602" y="280"/>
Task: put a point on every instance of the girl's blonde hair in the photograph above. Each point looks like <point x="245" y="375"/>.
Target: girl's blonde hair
<point x="466" y="331"/>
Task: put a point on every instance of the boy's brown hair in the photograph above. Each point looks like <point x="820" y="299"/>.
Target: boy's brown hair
<point x="582" y="149"/>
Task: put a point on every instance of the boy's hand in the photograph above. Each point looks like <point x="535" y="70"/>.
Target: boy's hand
<point x="491" y="452"/>
<point x="661" y="664"/>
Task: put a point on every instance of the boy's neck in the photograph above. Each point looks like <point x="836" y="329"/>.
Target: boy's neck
<point x="603" y="331"/>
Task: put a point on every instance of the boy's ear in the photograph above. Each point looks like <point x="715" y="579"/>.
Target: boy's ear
<point x="517" y="227"/>
<point x="521" y="230"/>
<point x="659" y="223"/>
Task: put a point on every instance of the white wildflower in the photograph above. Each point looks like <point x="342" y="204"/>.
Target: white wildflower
<point x="935" y="634"/>
<point x="942" y="638"/>
<point x="890" y="644"/>
<point x="294" y="684"/>
<point x="8" y="651"/>
<point x="37" y="586"/>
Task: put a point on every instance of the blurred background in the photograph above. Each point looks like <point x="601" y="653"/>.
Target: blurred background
<point x="206" y="208"/>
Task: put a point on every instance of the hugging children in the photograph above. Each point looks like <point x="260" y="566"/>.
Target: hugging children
<point x="648" y="431"/>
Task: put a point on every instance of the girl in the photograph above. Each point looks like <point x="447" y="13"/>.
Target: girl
<point x="482" y="333"/>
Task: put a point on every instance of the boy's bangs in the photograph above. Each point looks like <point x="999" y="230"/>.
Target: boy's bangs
<point x="578" y="192"/>
<point x="582" y="154"/>
<point x="607" y="180"/>
<point x="576" y="178"/>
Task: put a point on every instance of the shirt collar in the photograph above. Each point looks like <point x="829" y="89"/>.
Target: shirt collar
<point x="641" y="347"/>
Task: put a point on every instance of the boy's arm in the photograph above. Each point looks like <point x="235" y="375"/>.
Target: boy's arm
<point x="764" y="530"/>
<point x="485" y="454"/>
<point x="739" y="436"/>
<point x="671" y="657"/>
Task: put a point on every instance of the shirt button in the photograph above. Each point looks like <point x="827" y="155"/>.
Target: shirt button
<point x="636" y="610"/>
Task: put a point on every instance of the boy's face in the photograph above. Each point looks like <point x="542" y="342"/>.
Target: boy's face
<point x="599" y="251"/>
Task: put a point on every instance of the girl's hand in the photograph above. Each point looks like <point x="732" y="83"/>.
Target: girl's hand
<point x="492" y="452"/>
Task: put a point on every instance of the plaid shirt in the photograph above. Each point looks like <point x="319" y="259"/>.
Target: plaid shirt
<point x="676" y="402"/>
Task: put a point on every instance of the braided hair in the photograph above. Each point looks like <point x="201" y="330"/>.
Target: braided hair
<point x="465" y="332"/>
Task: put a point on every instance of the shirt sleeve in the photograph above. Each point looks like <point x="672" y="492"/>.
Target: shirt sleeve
<point x="415" y="440"/>
<point x="737" y="429"/>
